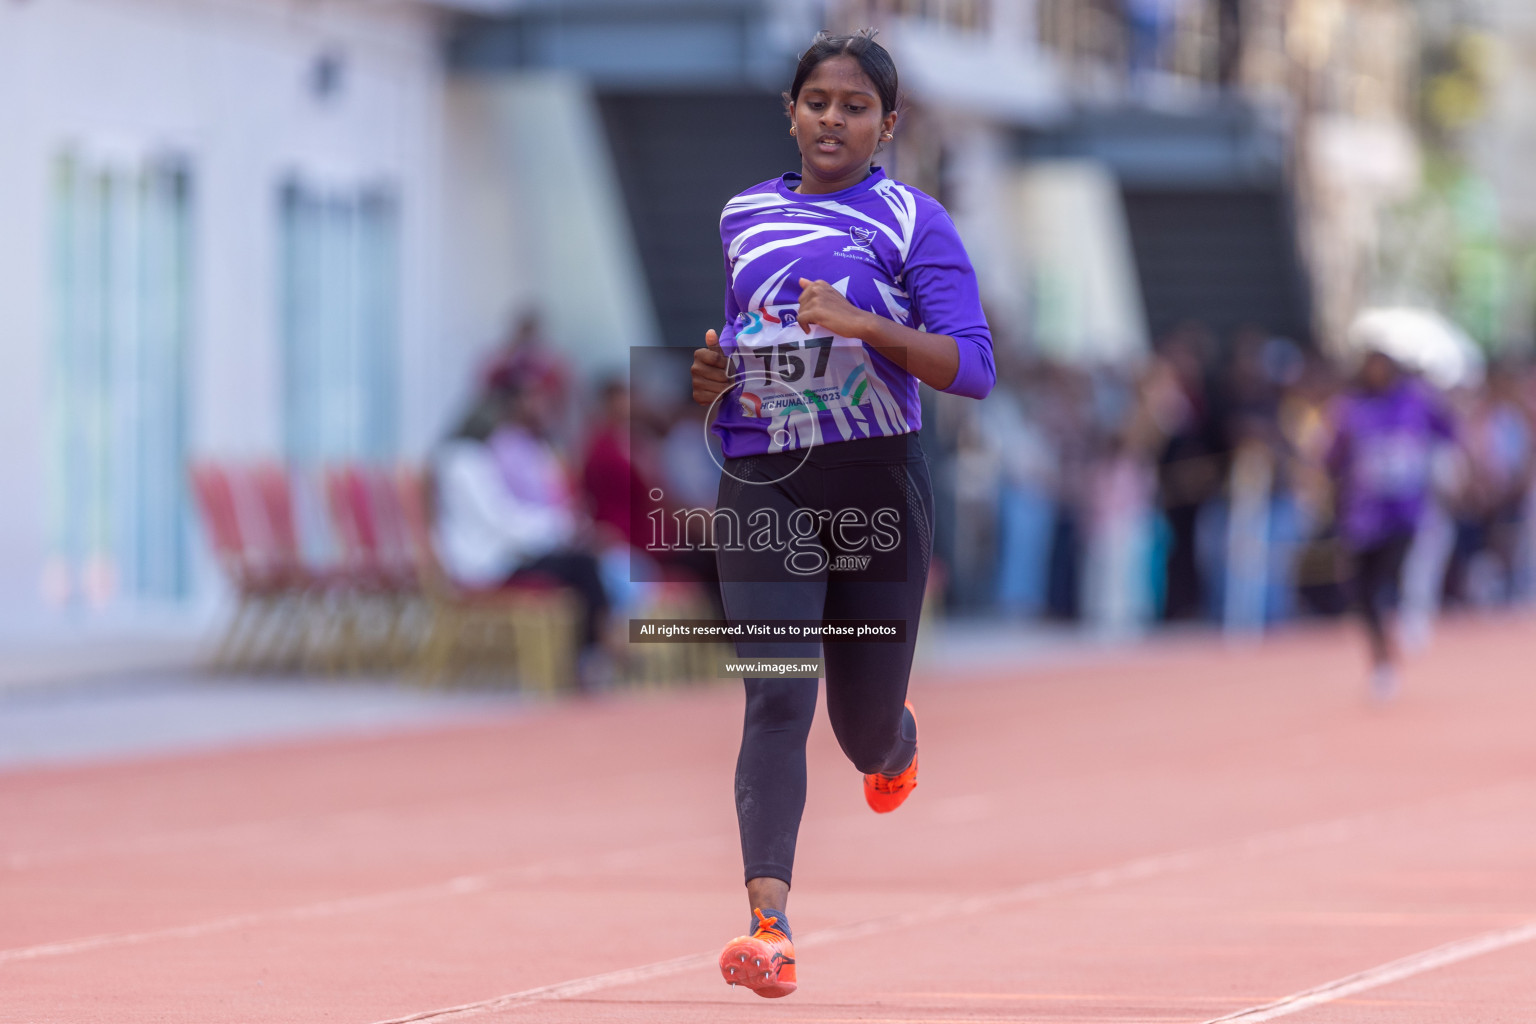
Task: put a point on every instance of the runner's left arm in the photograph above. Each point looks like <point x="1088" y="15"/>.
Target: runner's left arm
<point x="952" y="349"/>
<point x="711" y="371"/>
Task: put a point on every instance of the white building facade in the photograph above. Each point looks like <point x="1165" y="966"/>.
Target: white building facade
<point x="222" y="238"/>
<point x="286" y="231"/>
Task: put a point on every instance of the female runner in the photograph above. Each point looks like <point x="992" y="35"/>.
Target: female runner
<point x="846" y="288"/>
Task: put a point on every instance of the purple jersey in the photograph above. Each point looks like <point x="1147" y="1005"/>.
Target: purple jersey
<point x="1380" y="457"/>
<point x="889" y="249"/>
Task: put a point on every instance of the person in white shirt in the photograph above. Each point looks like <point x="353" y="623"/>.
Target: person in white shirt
<point x="489" y="534"/>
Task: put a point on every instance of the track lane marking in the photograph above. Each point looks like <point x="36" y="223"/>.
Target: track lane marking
<point x="305" y="826"/>
<point x="1375" y="977"/>
<point x="461" y="885"/>
<point x="1140" y="869"/>
<point x="235" y="833"/>
<point x="1132" y="871"/>
<point x="1315" y="833"/>
<point x="273" y="829"/>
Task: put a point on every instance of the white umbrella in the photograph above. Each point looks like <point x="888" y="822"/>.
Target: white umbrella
<point x="1419" y="339"/>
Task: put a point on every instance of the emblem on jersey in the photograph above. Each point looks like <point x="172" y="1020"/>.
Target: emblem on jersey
<point x="862" y="247"/>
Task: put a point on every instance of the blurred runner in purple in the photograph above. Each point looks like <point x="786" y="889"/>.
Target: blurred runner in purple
<point x="1386" y="429"/>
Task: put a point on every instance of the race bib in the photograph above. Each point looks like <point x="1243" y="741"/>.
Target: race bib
<point x="1394" y="465"/>
<point x="785" y="370"/>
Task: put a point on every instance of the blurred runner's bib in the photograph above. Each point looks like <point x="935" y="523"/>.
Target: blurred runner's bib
<point x="1394" y="465"/>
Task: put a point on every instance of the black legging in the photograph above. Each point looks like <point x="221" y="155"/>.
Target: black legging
<point x="579" y="571"/>
<point x="1378" y="571"/>
<point x="866" y="682"/>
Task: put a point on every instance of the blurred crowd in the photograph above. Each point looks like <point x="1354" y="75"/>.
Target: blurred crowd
<point x="551" y="479"/>
<point x="1192" y="487"/>
<point x="1196" y="488"/>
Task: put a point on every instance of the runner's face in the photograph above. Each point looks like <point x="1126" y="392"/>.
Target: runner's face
<point x="838" y="124"/>
<point x="1379" y="373"/>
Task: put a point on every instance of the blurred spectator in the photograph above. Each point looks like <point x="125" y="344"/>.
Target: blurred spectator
<point x="1195" y="489"/>
<point x="1149" y="26"/>
<point x="690" y="479"/>
<point x="1264" y="521"/>
<point x="523" y="448"/>
<point x="617" y="498"/>
<point x="1524" y="392"/>
<point x="977" y="474"/>
<point x="1066" y="415"/>
<point x="1499" y="443"/>
<point x="1251" y="398"/>
<point x="623" y="482"/>
<point x="1190" y="465"/>
<point x="525" y="361"/>
<point x="1229" y="43"/>
<point x="690" y="475"/>
<point x="1117" y="591"/>
<point x="1306" y="431"/>
<point x="484" y="532"/>
<point x="1429" y="557"/>
<point x="1026" y="500"/>
<point x="617" y="495"/>
<point x="504" y="512"/>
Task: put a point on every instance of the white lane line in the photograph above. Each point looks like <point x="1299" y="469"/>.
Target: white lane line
<point x="1386" y="974"/>
<point x="1132" y="871"/>
<point x="1336" y="830"/>
<point x="460" y="886"/>
<point x="237" y="834"/>
<point x="328" y="908"/>
<point x="565" y="989"/>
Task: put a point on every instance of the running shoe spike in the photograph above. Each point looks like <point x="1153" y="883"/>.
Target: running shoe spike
<point x="763" y="961"/>
<point x="884" y="793"/>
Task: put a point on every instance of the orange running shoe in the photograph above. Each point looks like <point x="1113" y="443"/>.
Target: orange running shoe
<point x="763" y="961"/>
<point x="884" y="793"/>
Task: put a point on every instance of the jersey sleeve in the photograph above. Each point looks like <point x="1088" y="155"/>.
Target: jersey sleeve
<point x="1336" y="455"/>
<point x="945" y="300"/>
<point x="732" y="306"/>
<point x="1441" y="424"/>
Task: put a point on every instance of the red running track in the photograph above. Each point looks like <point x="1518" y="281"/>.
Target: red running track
<point x="1177" y="833"/>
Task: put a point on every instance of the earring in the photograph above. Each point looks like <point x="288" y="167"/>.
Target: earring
<point x="791" y="129"/>
<point x="887" y="136"/>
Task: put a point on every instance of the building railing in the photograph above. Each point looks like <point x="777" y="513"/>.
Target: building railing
<point x="1329" y="56"/>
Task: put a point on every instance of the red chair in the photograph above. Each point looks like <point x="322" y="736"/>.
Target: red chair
<point x="215" y="500"/>
<point x="390" y="534"/>
<point x="338" y="506"/>
<point x="274" y="495"/>
<point x="365" y="511"/>
<point x="381" y="582"/>
<point x="267" y="590"/>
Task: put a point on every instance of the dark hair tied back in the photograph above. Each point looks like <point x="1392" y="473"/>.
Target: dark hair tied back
<point x="873" y="59"/>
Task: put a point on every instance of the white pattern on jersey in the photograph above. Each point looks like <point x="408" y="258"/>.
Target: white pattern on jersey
<point x="858" y="401"/>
